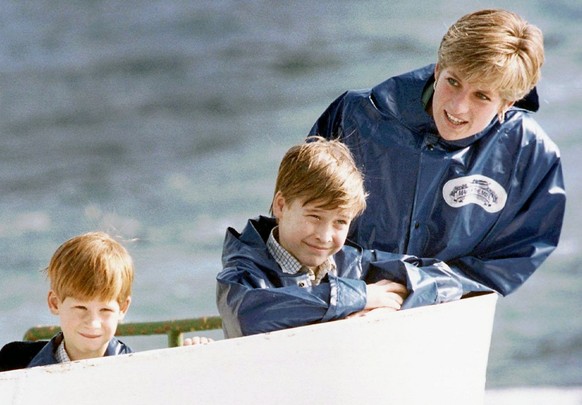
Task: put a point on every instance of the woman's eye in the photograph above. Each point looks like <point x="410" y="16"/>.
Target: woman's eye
<point x="452" y="81"/>
<point x="483" y="97"/>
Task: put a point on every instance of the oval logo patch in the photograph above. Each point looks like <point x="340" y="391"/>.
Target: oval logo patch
<point x="475" y="189"/>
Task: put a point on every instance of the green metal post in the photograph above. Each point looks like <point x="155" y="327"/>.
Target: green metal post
<point x="175" y="338"/>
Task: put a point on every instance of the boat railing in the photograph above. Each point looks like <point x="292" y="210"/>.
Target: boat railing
<point x="174" y="329"/>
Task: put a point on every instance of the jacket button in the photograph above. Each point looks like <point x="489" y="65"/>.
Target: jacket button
<point x="416" y="225"/>
<point x="302" y="284"/>
<point x="430" y="146"/>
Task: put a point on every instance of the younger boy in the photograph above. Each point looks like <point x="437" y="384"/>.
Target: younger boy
<point x="90" y="291"/>
<point x="294" y="269"/>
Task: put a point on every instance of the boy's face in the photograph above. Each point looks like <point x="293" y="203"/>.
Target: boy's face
<point x="309" y="233"/>
<point x="87" y="325"/>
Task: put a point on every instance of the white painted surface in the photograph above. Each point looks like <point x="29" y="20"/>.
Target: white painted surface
<point x="535" y="396"/>
<point x="430" y="355"/>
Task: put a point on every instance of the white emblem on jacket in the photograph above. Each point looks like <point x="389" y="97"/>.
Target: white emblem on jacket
<point x="475" y="189"/>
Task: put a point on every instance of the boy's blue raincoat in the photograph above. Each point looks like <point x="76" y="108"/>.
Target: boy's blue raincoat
<point x="254" y="295"/>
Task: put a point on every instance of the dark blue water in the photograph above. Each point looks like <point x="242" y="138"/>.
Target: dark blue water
<point x="164" y="123"/>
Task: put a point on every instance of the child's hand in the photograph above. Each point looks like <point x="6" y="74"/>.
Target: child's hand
<point x="197" y="340"/>
<point x="385" y="294"/>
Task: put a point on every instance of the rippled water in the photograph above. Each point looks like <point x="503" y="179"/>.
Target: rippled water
<point x="164" y="123"/>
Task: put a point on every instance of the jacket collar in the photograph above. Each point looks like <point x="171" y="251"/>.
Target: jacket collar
<point x="250" y="242"/>
<point x="46" y="356"/>
<point x="401" y="98"/>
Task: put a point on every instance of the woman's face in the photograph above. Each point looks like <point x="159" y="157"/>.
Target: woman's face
<point x="461" y="109"/>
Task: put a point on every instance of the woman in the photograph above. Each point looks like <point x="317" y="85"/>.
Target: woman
<point x="455" y="164"/>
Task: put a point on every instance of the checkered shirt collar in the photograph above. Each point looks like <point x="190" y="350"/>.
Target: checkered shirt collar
<point x="290" y="265"/>
<point x="61" y="354"/>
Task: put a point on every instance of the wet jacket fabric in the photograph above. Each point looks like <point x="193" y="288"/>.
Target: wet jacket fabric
<point x="491" y="205"/>
<point x="254" y="295"/>
<point x="46" y="355"/>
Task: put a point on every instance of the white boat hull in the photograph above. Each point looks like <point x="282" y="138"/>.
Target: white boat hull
<point x="431" y="355"/>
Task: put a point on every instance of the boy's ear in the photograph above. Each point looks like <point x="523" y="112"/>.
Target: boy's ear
<point x="53" y="302"/>
<point x="124" y="307"/>
<point x="278" y="204"/>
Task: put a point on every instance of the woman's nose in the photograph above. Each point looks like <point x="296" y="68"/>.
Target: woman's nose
<point x="459" y="103"/>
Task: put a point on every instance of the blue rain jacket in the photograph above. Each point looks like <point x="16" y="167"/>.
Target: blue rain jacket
<point x="491" y="205"/>
<point x="254" y="295"/>
<point x="46" y="356"/>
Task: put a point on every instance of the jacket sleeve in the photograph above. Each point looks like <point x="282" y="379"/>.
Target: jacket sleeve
<point x="249" y="303"/>
<point x="429" y="281"/>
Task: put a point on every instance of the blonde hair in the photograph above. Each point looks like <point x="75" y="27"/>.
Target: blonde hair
<point x="496" y="48"/>
<point x="91" y="266"/>
<point x="322" y="171"/>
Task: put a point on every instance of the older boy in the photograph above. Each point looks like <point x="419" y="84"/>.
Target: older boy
<point x="294" y="269"/>
<point x="90" y="291"/>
